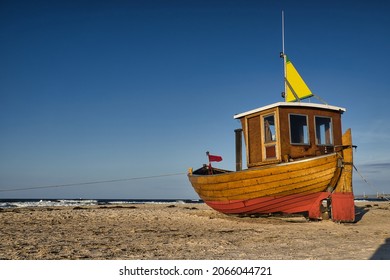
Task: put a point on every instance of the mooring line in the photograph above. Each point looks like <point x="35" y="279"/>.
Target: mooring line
<point x="9" y="189"/>
<point x="368" y="183"/>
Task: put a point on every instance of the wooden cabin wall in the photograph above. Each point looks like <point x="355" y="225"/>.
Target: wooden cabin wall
<point x="254" y="140"/>
<point x="292" y="151"/>
<point x="285" y="150"/>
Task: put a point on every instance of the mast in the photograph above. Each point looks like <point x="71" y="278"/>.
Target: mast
<point x="283" y="55"/>
<point x="295" y="88"/>
<point x="282" y="32"/>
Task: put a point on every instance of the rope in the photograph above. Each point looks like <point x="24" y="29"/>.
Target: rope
<point x="371" y="185"/>
<point x="89" y="183"/>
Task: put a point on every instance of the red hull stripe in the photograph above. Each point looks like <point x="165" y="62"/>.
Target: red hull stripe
<point x="343" y="207"/>
<point x="286" y="204"/>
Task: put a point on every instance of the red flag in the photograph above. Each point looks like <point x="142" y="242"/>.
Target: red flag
<point x="214" y="158"/>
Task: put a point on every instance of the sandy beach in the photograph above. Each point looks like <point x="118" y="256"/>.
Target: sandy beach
<point x="188" y="231"/>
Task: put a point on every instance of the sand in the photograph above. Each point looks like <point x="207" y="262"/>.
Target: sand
<point x="188" y="231"/>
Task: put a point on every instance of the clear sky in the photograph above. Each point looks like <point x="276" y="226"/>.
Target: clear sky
<point x="104" y="90"/>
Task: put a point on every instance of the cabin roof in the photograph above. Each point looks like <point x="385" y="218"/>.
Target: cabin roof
<point x="291" y="104"/>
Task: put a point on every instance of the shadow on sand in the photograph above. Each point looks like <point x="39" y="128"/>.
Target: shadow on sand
<point x="360" y="212"/>
<point x="383" y="252"/>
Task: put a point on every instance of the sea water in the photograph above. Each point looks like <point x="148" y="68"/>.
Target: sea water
<point x="19" y="203"/>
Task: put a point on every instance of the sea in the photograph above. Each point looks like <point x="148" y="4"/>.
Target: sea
<point x="20" y="203"/>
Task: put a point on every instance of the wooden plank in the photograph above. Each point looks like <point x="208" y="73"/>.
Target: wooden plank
<point x="321" y="179"/>
<point x="265" y="171"/>
<point x="270" y="178"/>
<point x="345" y="182"/>
<point x="310" y="186"/>
<point x="260" y="187"/>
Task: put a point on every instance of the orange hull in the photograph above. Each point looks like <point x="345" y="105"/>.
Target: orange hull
<point x="292" y="187"/>
<point x="301" y="177"/>
<point x="288" y="188"/>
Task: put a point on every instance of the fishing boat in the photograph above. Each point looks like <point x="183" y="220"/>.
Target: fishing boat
<point x="298" y="160"/>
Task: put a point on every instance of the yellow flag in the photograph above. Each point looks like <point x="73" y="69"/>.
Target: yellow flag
<point x="296" y="87"/>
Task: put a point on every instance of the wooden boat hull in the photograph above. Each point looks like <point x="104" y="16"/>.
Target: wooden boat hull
<point x="287" y="187"/>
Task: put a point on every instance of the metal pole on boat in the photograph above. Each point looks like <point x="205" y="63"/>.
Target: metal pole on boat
<point x="282" y="31"/>
<point x="283" y="55"/>
<point x="238" y="133"/>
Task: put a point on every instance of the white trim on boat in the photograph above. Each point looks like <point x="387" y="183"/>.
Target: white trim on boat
<point x="291" y="104"/>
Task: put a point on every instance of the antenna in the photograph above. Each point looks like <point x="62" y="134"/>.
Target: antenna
<point x="283" y="55"/>
<point x="283" y="32"/>
<point x="287" y="84"/>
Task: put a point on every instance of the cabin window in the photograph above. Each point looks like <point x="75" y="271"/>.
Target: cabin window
<point x="324" y="134"/>
<point x="269" y="129"/>
<point x="299" y="131"/>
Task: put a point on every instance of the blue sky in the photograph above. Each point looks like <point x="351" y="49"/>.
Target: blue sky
<point x="105" y="90"/>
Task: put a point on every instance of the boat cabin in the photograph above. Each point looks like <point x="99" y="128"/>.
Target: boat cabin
<point x="287" y="131"/>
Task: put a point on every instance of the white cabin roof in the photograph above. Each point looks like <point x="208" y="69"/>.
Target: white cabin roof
<point x="290" y="104"/>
